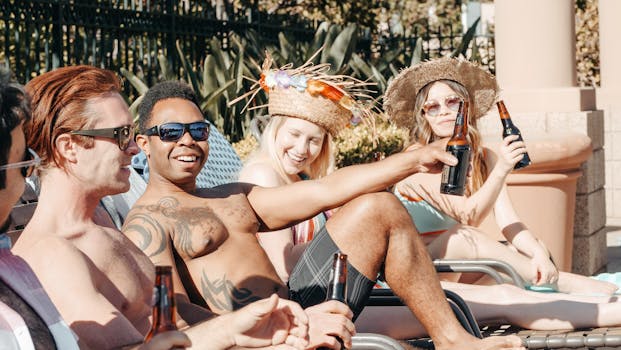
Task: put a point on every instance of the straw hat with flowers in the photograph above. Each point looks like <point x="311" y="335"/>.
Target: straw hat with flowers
<point x="309" y="93"/>
<point x="400" y="95"/>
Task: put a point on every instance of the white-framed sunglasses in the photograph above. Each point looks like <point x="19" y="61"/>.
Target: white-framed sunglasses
<point x="31" y="160"/>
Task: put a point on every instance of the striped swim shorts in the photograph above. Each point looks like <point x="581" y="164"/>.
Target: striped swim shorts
<point x="310" y="277"/>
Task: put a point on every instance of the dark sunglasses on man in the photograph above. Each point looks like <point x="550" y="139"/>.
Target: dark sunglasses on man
<point x="172" y="132"/>
<point x="122" y="134"/>
<point x="31" y="160"/>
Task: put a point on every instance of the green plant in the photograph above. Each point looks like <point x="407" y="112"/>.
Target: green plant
<point x="358" y="144"/>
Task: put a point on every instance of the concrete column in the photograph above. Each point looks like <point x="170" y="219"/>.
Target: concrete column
<point x="609" y="100"/>
<point x="536" y="69"/>
<point x="535" y="56"/>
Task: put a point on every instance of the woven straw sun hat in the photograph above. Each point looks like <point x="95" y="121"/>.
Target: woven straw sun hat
<point x="308" y="92"/>
<point x="290" y="102"/>
<point x="400" y="95"/>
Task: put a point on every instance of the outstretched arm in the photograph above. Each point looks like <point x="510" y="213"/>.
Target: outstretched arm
<point x="304" y="199"/>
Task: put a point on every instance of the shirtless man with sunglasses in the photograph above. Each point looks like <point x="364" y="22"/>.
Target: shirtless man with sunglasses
<point x="99" y="281"/>
<point x="211" y="233"/>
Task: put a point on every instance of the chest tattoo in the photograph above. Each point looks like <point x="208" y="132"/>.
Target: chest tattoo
<point x="222" y="293"/>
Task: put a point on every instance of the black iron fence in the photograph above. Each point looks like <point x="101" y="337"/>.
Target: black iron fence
<point x="40" y="35"/>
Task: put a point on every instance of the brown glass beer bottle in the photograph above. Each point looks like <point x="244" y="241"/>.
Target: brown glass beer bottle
<point x="508" y="128"/>
<point x="454" y="177"/>
<point x="337" y="288"/>
<point x="164" y="309"/>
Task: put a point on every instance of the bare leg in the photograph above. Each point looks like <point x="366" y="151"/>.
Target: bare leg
<point x="539" y="311"/>
<point x="375" y="228"/>
<point x="465" y="242"/>
<point x="501" y="304"/>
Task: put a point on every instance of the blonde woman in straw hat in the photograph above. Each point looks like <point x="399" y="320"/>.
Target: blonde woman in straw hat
<point x="424" y="99"/>
<point x="297" y="144"/>
<point x="307" y="108"/>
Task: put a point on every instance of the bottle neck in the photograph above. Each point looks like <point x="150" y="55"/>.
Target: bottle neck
<point x="337" y="289"/>
<point x="460" y="132"/>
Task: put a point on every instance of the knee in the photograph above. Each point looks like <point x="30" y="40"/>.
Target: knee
<point x="468" y="239"/>
<point x="379" y="206"/>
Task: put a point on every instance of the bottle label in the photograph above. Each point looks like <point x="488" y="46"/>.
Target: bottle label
<point x="454" y="177"/>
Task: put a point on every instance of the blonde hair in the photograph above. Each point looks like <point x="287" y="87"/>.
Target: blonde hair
<point x="320" y="167"/>
<point x="423" y="134"/>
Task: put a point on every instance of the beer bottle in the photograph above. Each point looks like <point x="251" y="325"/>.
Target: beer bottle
<point x="508" y="128"/>
<point x="164" y="309"/>
<point x="454" y="177"/>
<point x="337" y="289"/>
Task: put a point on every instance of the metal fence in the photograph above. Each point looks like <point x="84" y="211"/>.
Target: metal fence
<point x="40" y="35"/>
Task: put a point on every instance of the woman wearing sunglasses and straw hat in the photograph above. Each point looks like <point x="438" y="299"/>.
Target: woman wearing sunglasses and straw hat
<point x="425" y="100"/>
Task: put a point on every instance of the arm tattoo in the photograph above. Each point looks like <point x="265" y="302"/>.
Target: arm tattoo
<point x="224" y="295"/>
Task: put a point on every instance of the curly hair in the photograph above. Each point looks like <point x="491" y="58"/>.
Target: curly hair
<point x="163" y="91"/>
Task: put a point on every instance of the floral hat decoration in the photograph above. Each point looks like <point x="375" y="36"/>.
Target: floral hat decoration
<point x="400" y="95"/>
<point x="310" y="93"/>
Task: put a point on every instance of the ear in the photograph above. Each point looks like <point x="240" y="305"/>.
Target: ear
<point x="66" y="147"/>
<point x="143" y="143"/>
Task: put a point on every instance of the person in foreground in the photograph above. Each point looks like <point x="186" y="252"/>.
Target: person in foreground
<point x="213" y="231"/>
<point x="100" y="282"/>
<point x="28" y="319"/>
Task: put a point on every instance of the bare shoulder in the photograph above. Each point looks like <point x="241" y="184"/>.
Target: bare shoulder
<point x="51" y="255"/>
<point x="262" y="174"/>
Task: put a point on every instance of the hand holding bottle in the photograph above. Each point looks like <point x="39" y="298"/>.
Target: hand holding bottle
<point x="508" y="128"/>
<point x="510" y="153"/>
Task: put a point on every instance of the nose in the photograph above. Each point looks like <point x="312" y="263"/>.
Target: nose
<point x="444" y="109"/>
<point x="301" y="146"/>
<point x="132" y="148"/>
<point x="186" y="138"/>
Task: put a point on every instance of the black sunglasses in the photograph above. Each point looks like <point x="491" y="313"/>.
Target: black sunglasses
<point x="31" y="159"/>
<point x="171" y="132"/>
<point x="122" y="134"/>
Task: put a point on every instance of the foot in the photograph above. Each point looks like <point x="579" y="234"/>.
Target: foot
<point x="573" y="283"/>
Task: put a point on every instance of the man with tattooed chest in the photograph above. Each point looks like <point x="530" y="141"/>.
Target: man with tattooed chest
<point x="210" y="233"/>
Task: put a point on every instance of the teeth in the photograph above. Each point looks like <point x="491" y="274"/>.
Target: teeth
<point x="295" y="158"/>
<point x="187" y="158"/>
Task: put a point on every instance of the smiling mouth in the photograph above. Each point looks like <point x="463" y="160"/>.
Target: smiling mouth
<point x="295" y="158"/>
<point x="187" y="159"/>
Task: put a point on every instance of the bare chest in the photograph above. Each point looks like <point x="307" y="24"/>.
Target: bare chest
<point x="124" y="275"/>
<point x="202" y="227"/>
